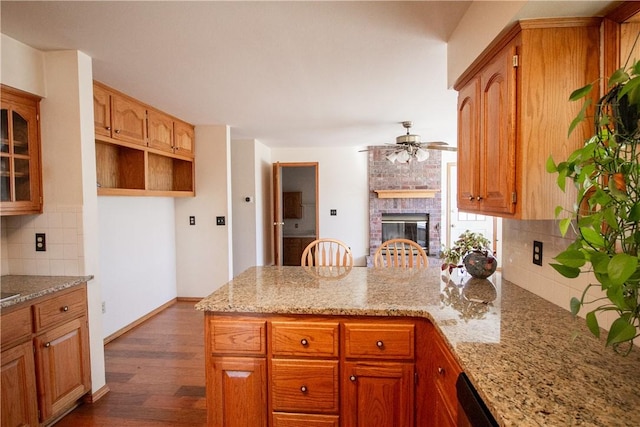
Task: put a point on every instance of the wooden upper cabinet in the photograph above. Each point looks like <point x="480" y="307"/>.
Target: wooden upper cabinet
<point x="513" y="112"/>
<point x="118" y="116"/>
<point x="160" y="129"/>
<point x="129" y="120"/>
<point x="102" y="110"/>
<point x="20" y="164"/>
<point x="184" y="137"/>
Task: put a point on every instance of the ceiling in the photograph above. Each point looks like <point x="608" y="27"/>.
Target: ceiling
<point x="289" y="74"/>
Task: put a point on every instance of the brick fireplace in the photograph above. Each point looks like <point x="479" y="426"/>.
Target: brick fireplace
<point x="412" y="176"/>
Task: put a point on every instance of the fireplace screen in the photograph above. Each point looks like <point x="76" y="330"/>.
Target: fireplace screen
<point x="407" y="226"/>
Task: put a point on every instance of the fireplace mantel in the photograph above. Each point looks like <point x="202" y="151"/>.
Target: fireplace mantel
<point x="407" y="194"/>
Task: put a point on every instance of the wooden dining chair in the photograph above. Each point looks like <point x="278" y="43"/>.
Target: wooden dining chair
<point x="400" y="253"/>
<point x="327" y="253"/>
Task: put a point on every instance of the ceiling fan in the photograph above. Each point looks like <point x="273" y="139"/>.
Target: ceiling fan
<point x="408" y="146"/>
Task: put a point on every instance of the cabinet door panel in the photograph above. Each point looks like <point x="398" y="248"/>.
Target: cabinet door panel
<point x="497" y="152"/>
<point x="237" y="387"/>
<point x="468" y="141"/>
<point x="378" y="395"/>
<point x="62" y="357"/>
<point x="160" y="131"/>
<point x="19" y="397"/>
<point x="184" y="138"/>
<point x="129" y="120"/>
<point x="101" y="111"/>
<point x="281" y="419"/>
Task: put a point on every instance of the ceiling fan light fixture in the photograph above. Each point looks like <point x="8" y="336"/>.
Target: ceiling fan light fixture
<point x="392" y="157"/>
<point x="403" y="156"/>
<point x="421" y="155"/>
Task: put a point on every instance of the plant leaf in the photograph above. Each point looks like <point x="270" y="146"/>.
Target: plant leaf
<point x="592" y="323"/>
<point x="564" y="225"/>
<point x="568" y="272"/>
<point x="592" y="236"/>
<point x="634" y="213"/>
<point x="551" y="165"/>
<point x="571" y="258"/>
<point x="575" y="305"/>
<point x="621" y="267"/>
<point x="618" y="76"/>
<point x="599" y="262"/>
<point x="580" y="93"/>
<point x="620" y="331"/>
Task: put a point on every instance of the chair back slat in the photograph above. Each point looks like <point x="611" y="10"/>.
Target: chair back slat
<point x="402" y="253"/>
<point x="327" y="253"/>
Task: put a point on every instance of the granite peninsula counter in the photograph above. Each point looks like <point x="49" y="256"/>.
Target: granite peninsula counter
<point x="518" y="350"/>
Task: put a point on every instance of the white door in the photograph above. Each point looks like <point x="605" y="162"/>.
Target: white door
<point x="459" y="222"/>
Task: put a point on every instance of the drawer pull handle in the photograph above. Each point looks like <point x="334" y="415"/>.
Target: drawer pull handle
<point x="304" y="342"/>
<point x="47" y="344"/>
<point x="303" y="389"/>
<point x="65" y="308"/>
<point x="352" y="377"/>
<point x="440" y="370"/>
<point x="380" y="344"/>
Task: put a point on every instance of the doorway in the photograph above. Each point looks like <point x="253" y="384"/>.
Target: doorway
<point x="490" y="227"/>
<point x="295" y="213"/>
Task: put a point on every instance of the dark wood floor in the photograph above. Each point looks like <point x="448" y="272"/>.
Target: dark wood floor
<point x="155" y="373"/>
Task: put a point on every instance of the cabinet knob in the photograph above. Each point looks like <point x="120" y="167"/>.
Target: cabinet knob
<point x="471" y="198"/>
<point x="478" y="198"/>
<point x="65" y="308"/>
<point x="352" y="377"/>
<point x="380" y="344"/>
<point x="47" y="344"/>
<point x="440" y="370"/>
<point x="304" y="342"/>
<point x="108" y="127"/>
<point x="303" y="389"/>
<point x="117" y="130"/>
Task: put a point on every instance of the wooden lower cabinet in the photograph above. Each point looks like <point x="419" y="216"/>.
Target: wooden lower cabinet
<point x="240" y="397"/>
<point x="378" y="394"/>
<point x="442" y="377"/>
<point x="62" y="361"/>
<point x="316" y="371"/>
<point x="46" y="366"/>
<point x="19" y="398"/>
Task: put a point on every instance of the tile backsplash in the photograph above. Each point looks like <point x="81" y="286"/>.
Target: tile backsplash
<point x="63" y="228"/>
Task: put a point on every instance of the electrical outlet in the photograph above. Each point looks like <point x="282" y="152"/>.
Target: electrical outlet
<point x="537" y="252"/>
<point x="104" y="307"/>
<point x="220" y="220"/>
<point x="334" y="212"/>
<point x="41" y="242"/>
<point x="192" y="220"/>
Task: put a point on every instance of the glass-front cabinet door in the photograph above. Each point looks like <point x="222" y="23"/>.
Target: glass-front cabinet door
<point x="20" y="176"/>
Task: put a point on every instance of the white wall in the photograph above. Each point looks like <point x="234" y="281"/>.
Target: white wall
<point x="245" y="214"/>
<point x="342" y="185"/>
<point x="22" y="66"/>
<point x="204" y="260"/>
<point x="137" y="257"/>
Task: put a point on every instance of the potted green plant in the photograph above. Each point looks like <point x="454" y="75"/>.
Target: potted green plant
<point x="473" y="250"/>
<point x="606" y="214"/>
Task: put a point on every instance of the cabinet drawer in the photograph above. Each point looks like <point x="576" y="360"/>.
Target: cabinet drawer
<point x="16" y="325"/>
<point x="446" y="371"/>
<point x="281" y="419"/>
<point x="238" y="336"/>
<point x="379" y="341"/>
<point x="304" y="339"/>
<point x="60" y="308"/>
<point x="304" y="386"/>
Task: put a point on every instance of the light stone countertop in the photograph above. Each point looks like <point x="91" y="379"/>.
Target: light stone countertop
<point x="518" y="349"/>
<point x="31" y="287"/>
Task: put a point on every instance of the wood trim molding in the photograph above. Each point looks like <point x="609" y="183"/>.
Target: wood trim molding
<point x="407" y="194"/>
<point x="97" y="395"/>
